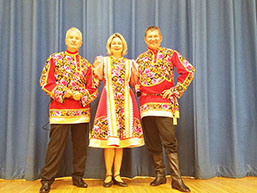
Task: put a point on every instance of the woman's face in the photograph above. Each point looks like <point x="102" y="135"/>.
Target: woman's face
<point x="116" y="46"/>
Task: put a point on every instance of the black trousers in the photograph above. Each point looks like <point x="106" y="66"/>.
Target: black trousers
<point x="56" y="147"/>
<point x="160" y="131"/>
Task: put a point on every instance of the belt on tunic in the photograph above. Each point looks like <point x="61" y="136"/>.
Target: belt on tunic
<point x="148" y="94"/>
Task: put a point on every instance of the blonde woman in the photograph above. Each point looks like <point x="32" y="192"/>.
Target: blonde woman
<point x="117" y="122"/>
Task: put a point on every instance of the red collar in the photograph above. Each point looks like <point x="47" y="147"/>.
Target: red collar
<point x="69" y="52"/>
<point x="154" y="51"/>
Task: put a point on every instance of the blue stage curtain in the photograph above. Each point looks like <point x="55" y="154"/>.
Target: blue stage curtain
<point x="217" y="130"/>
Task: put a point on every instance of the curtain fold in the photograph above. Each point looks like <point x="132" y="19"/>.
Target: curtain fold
<point x="217" y="130"/>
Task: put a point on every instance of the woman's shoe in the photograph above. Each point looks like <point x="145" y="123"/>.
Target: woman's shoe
<point x="108" y="184"/>
<point x="122" y="184"/>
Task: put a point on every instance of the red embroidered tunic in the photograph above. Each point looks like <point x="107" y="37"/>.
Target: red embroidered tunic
<point x="63" y="71"/>
<point x="156" y="74"/>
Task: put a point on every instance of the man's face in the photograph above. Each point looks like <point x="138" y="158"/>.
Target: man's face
<point x="73" y="40"/>
<point x="153" y="39"/>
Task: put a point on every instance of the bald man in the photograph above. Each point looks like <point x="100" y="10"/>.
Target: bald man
<point x="67" y="79"/>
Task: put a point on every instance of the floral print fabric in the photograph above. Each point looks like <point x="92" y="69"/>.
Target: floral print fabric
<point x="154" y="73"/>
<point x="156" y="76"/>
<point x="104" y="133"/>
<point x="65" y="71"/>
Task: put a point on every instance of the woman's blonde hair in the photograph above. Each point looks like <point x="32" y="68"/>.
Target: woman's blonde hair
<point x="124" y="43"/>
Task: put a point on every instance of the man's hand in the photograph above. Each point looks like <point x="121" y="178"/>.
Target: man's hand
<point x="76" y="95"/>
<point x="168" y="93"/>
<point x="98" y="60"/>
<point x="98" y="68"/>
<point x="68" y="94"/>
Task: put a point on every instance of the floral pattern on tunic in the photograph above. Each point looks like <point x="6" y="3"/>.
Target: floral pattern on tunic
<point x="69" y="113"/>
<point x="67" y="75"/>
<point x="63" y="71"/>
<point x="154" y="73"/>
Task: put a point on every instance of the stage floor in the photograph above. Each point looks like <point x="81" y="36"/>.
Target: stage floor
<point x="136" y="185"/>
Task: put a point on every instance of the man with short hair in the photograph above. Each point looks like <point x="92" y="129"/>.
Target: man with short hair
<point x="67" y="79"/>
<point x="159" y="107"/>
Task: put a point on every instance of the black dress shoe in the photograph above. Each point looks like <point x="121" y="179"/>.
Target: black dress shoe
<point x="79" y="183"/>
<point x="108" y="184"/>
<point x="122" y="184"/>
<point x="45" y="188"/>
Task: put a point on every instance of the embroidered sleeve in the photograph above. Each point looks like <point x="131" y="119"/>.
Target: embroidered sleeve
<point x="90" y="93"/>
<point x="139" y="71"/>
<point x="186" y="73"/>
<point x="134" y="74"/>
<point x="48" y="81"/>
